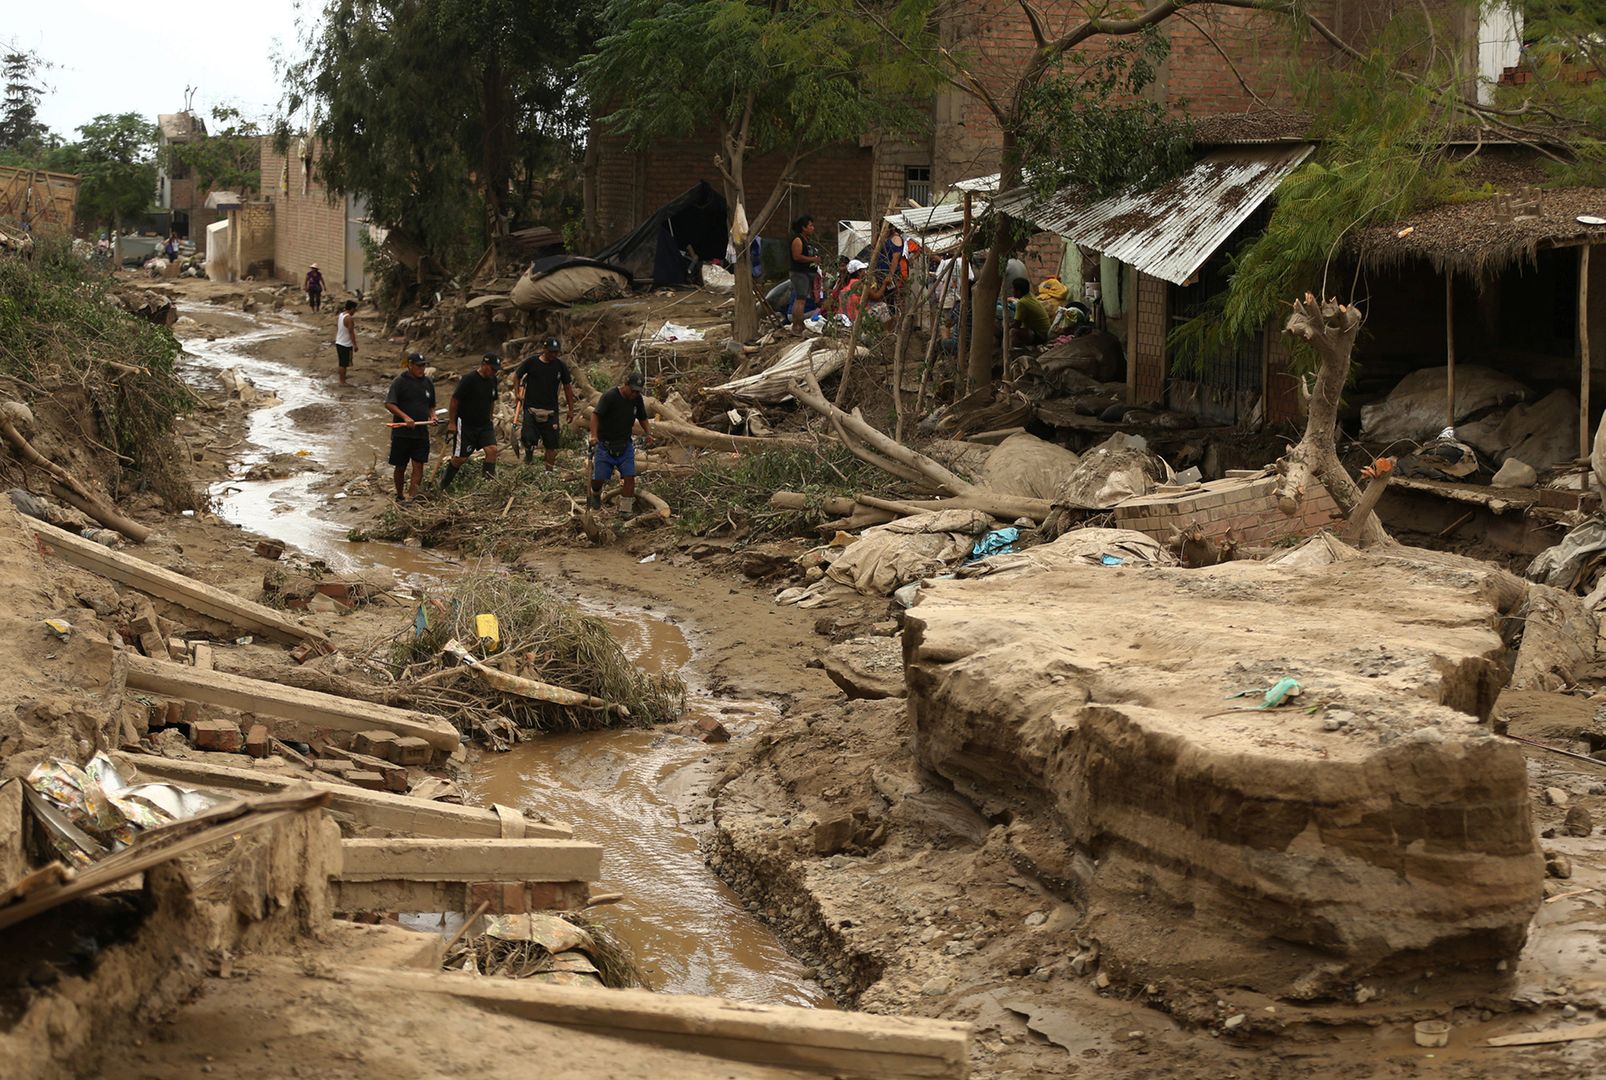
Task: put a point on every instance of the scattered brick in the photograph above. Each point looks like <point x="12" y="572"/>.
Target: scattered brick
<point x="258" y="743"/>
<point x="216" y="735"/>
<point x="410" y="750"/>
<point x="270" y="549"/>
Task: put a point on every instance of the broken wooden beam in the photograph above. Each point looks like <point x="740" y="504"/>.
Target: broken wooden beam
<point x="828" y="1041"/>
<point x="503" y="897"/>
<point x="434" y="859"/>
<point x="285" y="702"/>
<point x="160" y="582"/>
<point x="400" y="814"/>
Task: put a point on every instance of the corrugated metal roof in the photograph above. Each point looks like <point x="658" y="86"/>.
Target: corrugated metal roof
<point x="1170" y="231"/>
<point x="925" y="219"/>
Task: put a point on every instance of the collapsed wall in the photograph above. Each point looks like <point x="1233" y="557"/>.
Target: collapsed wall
<point x="1283" y="849"/>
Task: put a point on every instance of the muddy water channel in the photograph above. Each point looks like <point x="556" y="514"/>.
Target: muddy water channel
<point x="640" y="794"/>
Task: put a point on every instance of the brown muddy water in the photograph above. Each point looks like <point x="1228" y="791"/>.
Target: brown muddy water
<point x="640" y="794"/>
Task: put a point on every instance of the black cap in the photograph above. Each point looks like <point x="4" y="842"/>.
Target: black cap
<point x="551" y="344"/>
<point x="417" y="358"/>
<point x="635" y="379"/>
<point x="494" y="360"/>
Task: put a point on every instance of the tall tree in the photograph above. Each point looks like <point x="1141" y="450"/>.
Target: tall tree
<point x="22" y="72"/>
<point x="228" y="156"/>
<point x="452" y="117"/>
<point x="768" y="77"/>
<point x="116" y="157"/>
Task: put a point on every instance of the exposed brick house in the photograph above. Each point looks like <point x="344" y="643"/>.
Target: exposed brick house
<point x="311" y="224"/>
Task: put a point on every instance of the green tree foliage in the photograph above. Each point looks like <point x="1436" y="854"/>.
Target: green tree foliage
<point x="453" y="118"/>
<point x="1088" y="129"/>
<point x="21" y="71"/>
<point x="228" y="156"/>
<point x="116" y="156"/>
<point x="768" y="77"/>
<point x="1565" y="58"/>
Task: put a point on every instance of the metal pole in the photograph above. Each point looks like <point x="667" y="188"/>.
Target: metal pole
<point x="962" y="341"/>
<point x="1585" y="436"/>
<point x="1449" y="349"/>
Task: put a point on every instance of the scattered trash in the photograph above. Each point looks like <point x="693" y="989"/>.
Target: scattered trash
<point x="997" y="542"/>
<point x="60" y="627"/>
<point x="671" y="331"/>
<point x="188" y="513"/>
<point x="1432" y="1033"/>
<point x="1112" y="560"/>
<point x="650" y="558"/>
<point x="91" y="812"/>
<point x="488" y="631"/>
<point x="246" y="640"/>
<point x="1284" y="689"/>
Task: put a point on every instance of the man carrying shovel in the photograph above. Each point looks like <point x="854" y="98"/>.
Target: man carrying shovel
<point x="611" y="449"/>
<point x="411" y="400"/>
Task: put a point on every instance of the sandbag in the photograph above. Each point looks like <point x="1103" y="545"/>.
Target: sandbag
<point x="1026" y="465"/>
<point x="906" y="550"/>
<point x="1116" y="469"/>
<point x="569" y="285"/>
<point x="1414" y="409"/>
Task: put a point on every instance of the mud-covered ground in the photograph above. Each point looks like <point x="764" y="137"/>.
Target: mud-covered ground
<point x="896" y="894"/>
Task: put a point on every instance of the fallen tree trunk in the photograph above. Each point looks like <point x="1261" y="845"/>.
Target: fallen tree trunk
<point x="67" y="488"/>
<point x="692" y="435"/>
<point x="533" y="689"/>
<point x="1331" y="329"/>
<point x="868" y="444"/>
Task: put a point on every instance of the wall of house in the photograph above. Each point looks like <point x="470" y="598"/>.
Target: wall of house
<point x="309" y="221"/>
<point x="252" y="240"/>
<point x="1245" y="506"/>
<point x="1146" y="352"/>
<point x="629" y="184"/>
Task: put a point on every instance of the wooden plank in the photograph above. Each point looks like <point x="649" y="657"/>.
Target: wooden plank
<point x="158" y="581"/>
<point x="1596" y="1030"/>
<point x="433" y="859"/>
<point x="1585" y="432"/>
<point x="399" y="814"/>
<point x="286" y="702"/>
<point x="843" y="1043"/>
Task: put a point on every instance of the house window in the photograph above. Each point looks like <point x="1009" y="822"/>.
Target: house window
<point x="917" y="184"/>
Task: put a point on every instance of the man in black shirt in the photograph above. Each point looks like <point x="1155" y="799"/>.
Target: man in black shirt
<point x="536" y="401"/>
<point x="411" y="400"/>
<point x="468" y="418"/>
<point x="614" y="414"/>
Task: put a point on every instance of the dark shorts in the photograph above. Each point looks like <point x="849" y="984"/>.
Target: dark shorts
<point x="344" y="353"/>
<point x="802" y="285"/>
<point x="535" y="431"/>
<point x="620" y="456"/>
<point x="408" y="445"/>
<point x="471" y="438"/>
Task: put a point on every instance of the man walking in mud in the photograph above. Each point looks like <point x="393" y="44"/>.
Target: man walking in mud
<point x="535" y="401"/>
<point x="612" y="450"/>
<point x="468" y="419"/>
<point x="411" y="400"/>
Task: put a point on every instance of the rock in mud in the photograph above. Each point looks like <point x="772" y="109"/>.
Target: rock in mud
<point x="867" y="667"/>
<point x="1578" y="822"/>
<point x="1092" y="700"/>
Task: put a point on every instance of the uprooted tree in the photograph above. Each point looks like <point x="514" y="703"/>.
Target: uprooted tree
<point x="769" y="78"/>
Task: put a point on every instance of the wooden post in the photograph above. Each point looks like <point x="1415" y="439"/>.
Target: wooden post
<point x="1449" y="348"/>
<point x="962" y="342"/>
<point x="1585" y="436"/>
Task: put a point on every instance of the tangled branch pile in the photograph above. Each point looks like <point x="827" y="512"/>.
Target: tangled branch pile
<point x="568" y="950"/>
<point x="544" y="637"/>
<point x="62" y="340"/>
<point x="499" y="516"/>
<point x="722" y="494"/>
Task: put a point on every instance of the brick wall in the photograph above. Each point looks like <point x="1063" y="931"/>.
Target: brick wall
<point x="1282" y="388"/>
<point x="1146" y="353"/>
<point x="1245" y="505"/>
<point x="308" y="227"/>
<point x="630" y="184"/>
<point x="252" y="241"/>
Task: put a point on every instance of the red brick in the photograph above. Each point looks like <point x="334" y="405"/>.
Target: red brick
<point x="410" y="750"/>
<point x="216" y="735"/>
<point x="258" y="742"/>
<point x="558" y="895"/>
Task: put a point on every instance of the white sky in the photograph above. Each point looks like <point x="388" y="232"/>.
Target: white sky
<point x="115" y="56"/>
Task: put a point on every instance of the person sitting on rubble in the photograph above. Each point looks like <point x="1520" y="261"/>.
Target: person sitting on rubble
<point x="411" y="400"/>
<point x="535" y="401"/>
<point x="468" y="419"/>
<point x="314" y="286"/>
<point x="1029" y="325"/>
<point x="612" y="450"/>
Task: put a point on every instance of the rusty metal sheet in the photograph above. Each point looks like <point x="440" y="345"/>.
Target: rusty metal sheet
<point x="1168" y="232"/>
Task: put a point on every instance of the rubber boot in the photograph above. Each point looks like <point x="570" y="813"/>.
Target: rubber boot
<point x="594" y="501"/>
<point x="627" y="506"/>
<point x="490" y="469"/>
<point x="448" y="476"/>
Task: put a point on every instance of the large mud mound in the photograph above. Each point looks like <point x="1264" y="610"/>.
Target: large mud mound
<point x="1371" y="823"/>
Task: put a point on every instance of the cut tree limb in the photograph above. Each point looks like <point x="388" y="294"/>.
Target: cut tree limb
<point x="1331" y="329"/>
<point x="868" y="444"/>
<point x="67" y="487"/>
<point x="533" y="689"/>
<point x="692" y="435"/>
<point x="864" y="303"/>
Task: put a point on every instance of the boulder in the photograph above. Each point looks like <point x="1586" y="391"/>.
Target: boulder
<point x="1090" y="705"/>
<point x="1514" y="474"/>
